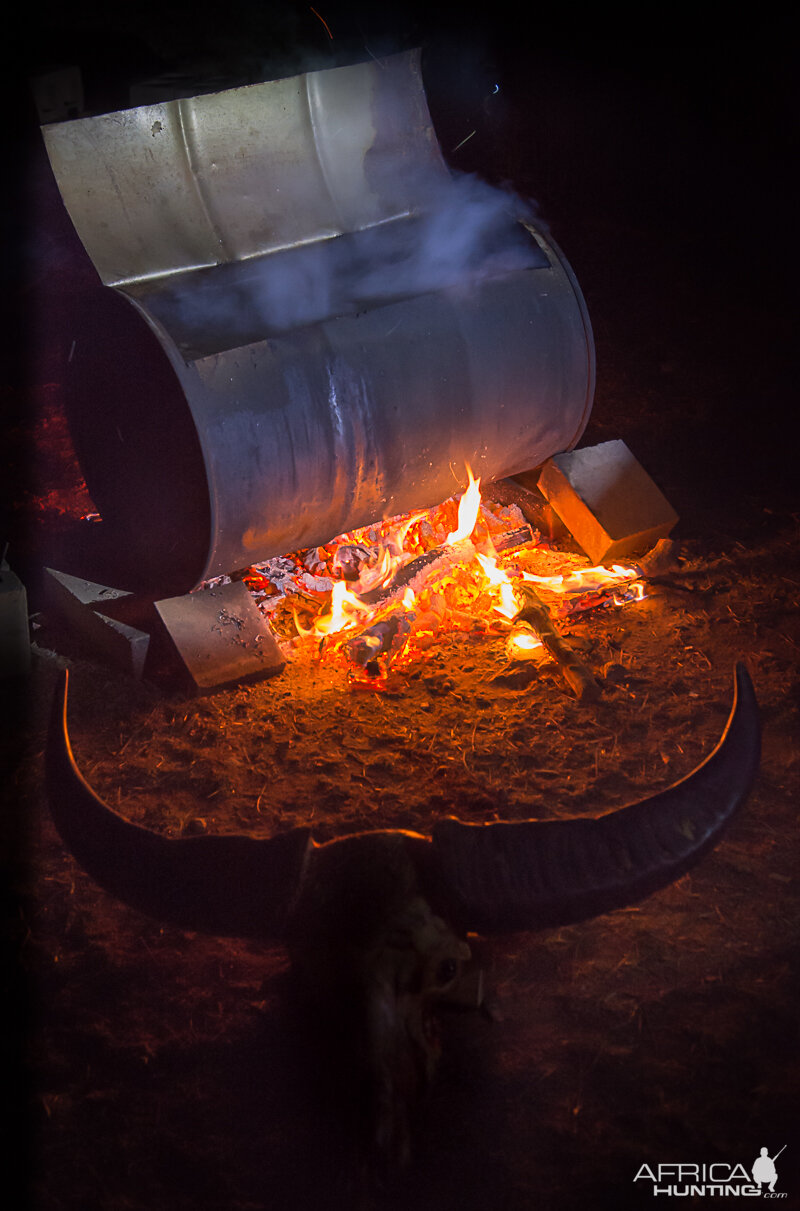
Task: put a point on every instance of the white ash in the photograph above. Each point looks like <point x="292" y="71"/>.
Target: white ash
<point x="510" y="515"/>
<point x="316" y="560"/>
<point x="314" y="584"/>
<point x="276" y="568"/>
<point x="350" y="558"/>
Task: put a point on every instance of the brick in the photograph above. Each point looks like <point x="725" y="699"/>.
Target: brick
<point x="220" y="637"/>
<point x="607" y="501"/>
<point x="82" y="604"/>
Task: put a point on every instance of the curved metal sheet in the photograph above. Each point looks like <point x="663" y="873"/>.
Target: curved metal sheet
<point x="291" y="391"/>
<point x="228" y="176"/>
<point x="210" y="465"/>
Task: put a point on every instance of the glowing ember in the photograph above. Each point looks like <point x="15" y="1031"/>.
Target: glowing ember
<point x="523" y="643"/>
<point x="380" y="596"/>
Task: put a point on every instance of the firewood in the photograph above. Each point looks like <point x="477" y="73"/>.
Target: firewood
<point x="537" y="615"/>
<point x="403" y="577"/>
<point x="513" y="539"/>
<point x="509" y="541"/>
<point x="379" y="639"/>
<point x="660" y="561"/>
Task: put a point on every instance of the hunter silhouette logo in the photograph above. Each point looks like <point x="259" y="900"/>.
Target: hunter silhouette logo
<point x="682" y="1180"/>
<point x="764" y="1171"/>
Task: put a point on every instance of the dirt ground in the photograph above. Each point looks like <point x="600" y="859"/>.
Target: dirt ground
<point x="163" y="1071"/>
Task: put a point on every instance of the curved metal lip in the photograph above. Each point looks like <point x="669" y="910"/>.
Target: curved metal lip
<point x="185" y="185"/>
<point x="215" y="310"/>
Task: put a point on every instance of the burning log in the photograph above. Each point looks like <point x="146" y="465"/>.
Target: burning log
<point x="378" y="640"/>
<point x="536" y="614"/>
<point x="514" y="539"/>
<point x="510" y="541"/>
<point x="389" y="635"/>
<point x="403" y="577"/>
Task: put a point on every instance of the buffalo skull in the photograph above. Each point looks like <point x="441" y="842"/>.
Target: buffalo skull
<point x="377" y="921"/>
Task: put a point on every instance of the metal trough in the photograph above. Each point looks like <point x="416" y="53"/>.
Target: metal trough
<point x="306" y="322"/>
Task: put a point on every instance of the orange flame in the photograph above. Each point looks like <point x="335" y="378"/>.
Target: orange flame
<point x="584" y="580"/>
<point x="345" y="607"/>
<point x="468" y="508"/>
<point x="497" y="577"/>
<point x="523" y="643"/>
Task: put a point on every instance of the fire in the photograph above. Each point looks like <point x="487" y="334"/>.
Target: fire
<point x="523" y="643"/>
<point x="344" y="611"/>
<point x="584" y="580"/>
<point x="508" y="606"/>
<point x="468" y="508"/>
<point x="380" y="596"/>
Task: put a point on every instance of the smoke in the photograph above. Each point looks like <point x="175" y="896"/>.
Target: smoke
<point x="468" y="231"/>
<point x="463" y="232"/>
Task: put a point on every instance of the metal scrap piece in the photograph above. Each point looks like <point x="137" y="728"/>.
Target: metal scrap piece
<point x="220" y="637"/>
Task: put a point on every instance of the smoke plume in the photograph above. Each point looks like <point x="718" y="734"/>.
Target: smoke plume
<point x="464" y="231"/>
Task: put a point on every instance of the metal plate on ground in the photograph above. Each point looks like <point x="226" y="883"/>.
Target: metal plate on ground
<point x="221" y="637"/>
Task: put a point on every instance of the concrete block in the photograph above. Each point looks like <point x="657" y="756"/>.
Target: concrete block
<point x="15" y="639"/>
<point x="607" y="501"/>
<point x="82" y="603"/>
<point x="220" y="637"/>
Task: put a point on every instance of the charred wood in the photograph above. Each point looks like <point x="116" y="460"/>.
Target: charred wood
<point x="509" y="541"/>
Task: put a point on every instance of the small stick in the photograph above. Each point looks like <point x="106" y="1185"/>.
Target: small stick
<point x="660" y="561"/>
<point x="402" y="577"/>
<point x="537" y="615"/>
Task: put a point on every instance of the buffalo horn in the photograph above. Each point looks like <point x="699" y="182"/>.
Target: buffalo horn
<point x="227" y="885"/>
<point x="520" y="875"/>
